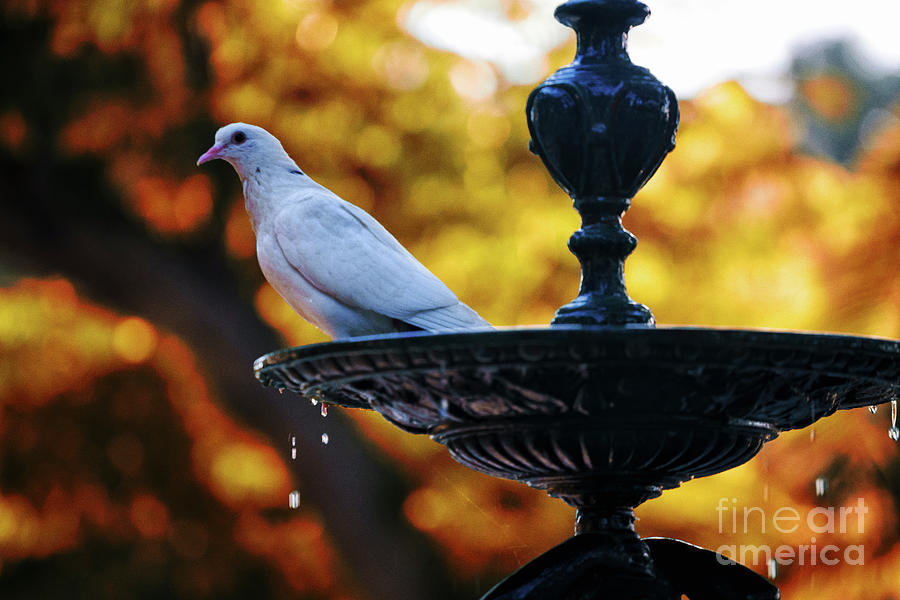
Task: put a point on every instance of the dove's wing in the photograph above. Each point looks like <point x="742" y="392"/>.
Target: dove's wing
<point x="346" y="253"/>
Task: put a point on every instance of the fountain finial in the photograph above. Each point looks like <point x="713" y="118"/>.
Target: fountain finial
<point x="602" y="126"/>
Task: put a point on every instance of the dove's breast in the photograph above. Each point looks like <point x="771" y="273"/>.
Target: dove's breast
<point x="335" y="318"/>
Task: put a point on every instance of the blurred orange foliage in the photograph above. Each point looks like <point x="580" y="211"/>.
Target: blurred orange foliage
<point x="58" y="350"/>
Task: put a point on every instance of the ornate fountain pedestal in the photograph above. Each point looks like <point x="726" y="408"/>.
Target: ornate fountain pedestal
<point x="602" y="409"/>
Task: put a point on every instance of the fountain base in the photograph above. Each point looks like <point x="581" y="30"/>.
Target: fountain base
<point x="617" y="564"/>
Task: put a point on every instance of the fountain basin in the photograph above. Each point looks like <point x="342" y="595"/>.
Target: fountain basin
<point x="596" y="415"/>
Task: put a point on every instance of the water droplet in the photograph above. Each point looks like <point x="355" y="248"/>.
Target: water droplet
<point x="313" y="401"/>
<point x="293" y="454"/>
<point x="873" y="409"/>
<point x="325" y="438"/>
<point x="294" y="499"/>
<point x="894" y="432"/>
<point x="820" y="486"/>
<point x="812" y="434"/>
<point x="281" y="390"/>
<point x="324" y="410"/>
<point x="773" y="568"/>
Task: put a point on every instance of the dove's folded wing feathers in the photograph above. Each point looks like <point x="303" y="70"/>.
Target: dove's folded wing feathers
<point x="455" y="316"/>
<point x="344" y="251"/>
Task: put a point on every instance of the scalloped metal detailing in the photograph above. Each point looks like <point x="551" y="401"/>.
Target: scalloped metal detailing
<point x="579" y="411"/>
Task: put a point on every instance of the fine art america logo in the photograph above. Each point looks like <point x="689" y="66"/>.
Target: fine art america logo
<point x="821" y="520"/>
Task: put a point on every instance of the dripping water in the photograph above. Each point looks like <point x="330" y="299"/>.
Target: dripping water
<point x="294" y="499"/>
<point x="821" y="484"/>
<point x="293" y="447"/>
<point x="325" y="438"/>
<point x="324" y="410"/>
<point x="894" y="431"/>
<point x="773" y="568"/>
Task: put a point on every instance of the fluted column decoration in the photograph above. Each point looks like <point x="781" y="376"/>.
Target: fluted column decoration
<point x="602" y="126"/>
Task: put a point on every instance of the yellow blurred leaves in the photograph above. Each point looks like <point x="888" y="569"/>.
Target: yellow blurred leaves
<point x="316" y="31"/>
<point x="239" y="238"/>
<point x="734" y="214"/>
<point x="402" y="64"/>
<point x="50" y="340"/>
<point x="377" y="146"/>
<point x="488" y="127"/>
<point x="831" y="96"/>
<point x="724" y="129"/>
<point x="472" y="80"/>
<point x="54" y="342"/>
<point x="28" y="531"/>
<point x="174" y="207"/>
<point x="298" y="547"/>
<point x="134" y="339"/>
<point x="486" y="522"/>
<point x="247" y="103"/>
<point x="102" y="126"/>
<point x="249" y="474"/>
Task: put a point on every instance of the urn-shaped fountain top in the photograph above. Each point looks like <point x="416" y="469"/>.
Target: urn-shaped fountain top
<point x="601" y="124"/>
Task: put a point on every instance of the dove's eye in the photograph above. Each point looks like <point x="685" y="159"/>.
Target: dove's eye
<point x="239" y="137"/>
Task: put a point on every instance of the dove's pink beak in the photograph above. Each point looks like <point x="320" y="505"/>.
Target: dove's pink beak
<point x="209" y="155"/>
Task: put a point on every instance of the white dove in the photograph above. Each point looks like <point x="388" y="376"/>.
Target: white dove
<point x="330" y="260"/>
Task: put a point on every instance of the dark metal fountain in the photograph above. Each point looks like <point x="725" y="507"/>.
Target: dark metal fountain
<point x="602" y="408"/>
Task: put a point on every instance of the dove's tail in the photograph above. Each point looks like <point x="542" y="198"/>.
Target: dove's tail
<point x="448" y="318"/>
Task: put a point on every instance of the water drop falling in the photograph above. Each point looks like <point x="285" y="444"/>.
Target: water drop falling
<point x="820" y="486"/>
<point x="812" y="434"/>
<point x="294" y="499"/>
<point x="324" y="410"/>
<point x="293" y="447"/>
<point x="894" y="431"/>
<point x="313" y="401"/>
<point x="281" y="390"/>
<point x="325" y="438"/>
<point x="773" y="568"/>
<point x="873" y="409"/>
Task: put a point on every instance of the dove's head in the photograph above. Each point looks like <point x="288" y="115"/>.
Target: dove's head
<point x="246" y="147"/>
